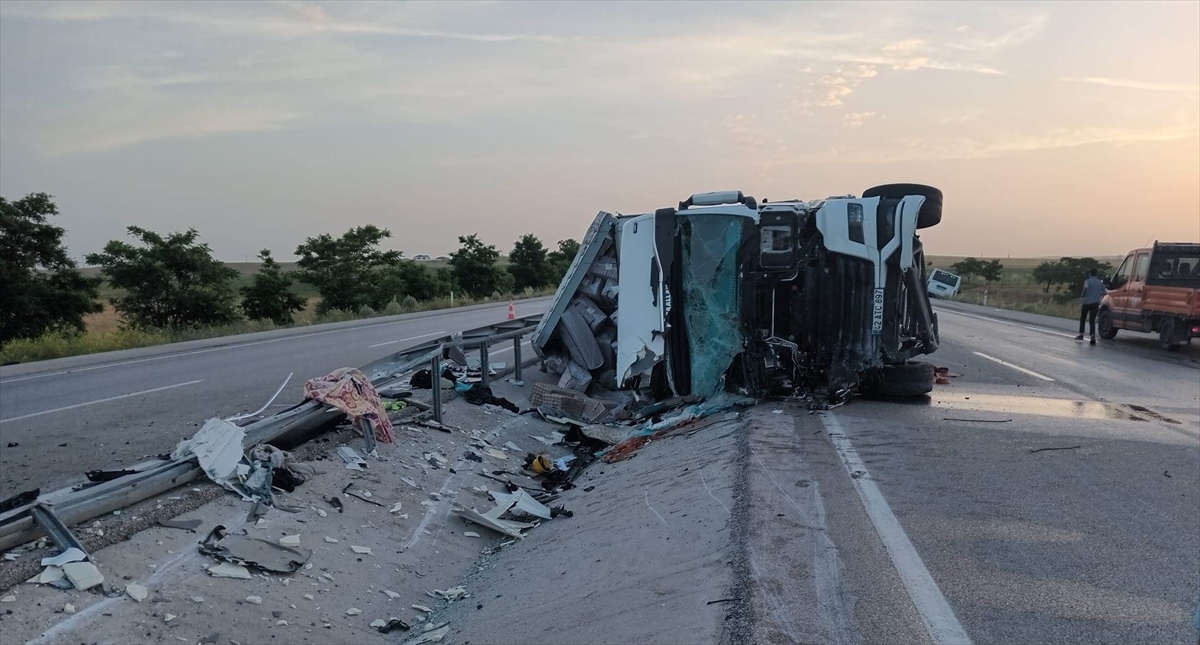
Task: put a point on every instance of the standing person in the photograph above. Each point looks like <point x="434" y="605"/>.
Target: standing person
<point x="1093" y="291"/>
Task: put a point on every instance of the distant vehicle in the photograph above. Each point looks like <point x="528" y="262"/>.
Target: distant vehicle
<point x="1155" y="290"/>
<point x="943" y="284"/>
<point x="421" y="257"/>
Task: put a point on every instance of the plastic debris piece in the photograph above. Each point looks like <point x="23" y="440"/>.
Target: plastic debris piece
<point x="136" y="591"/>
<point x="70" y="555"/>
<point x="290" y="541"/>
<point x="392" y="595"/>
<point x="353" y="611"/>
<point x="361" y="550"/>
<point x="218" y="448"/>
<point x="229" y="570"/>
<point x="471" y="534"/>
<point x="330" y="540"/>
<point x="523" y="503"/>
<point x="83" y="575"/>
<point x="254" y="600"/>
<point x="392" y="625"/>
<point x="280" y="623"/>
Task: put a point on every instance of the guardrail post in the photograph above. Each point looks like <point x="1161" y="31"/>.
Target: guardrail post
<point x="435" y="372"/>
<point x="485" y="365"/>
<point x="517" y="357"/>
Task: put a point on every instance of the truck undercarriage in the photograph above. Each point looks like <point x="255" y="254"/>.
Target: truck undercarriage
<point x="724" y="293"/>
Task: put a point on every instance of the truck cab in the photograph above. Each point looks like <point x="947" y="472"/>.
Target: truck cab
<point x="1155" y="289"/>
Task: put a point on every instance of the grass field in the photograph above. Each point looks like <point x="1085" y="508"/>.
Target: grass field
<point x="1016" y="289"/>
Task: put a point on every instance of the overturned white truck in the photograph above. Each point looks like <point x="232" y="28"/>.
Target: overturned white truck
<point x="726" y="293"/>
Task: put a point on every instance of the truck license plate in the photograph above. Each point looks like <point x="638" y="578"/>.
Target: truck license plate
<point x="877" y="312"/>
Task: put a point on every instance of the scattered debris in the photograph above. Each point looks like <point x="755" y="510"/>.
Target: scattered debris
<point x="336" y="503"/>
<point x="136" y="591"/>
<point x="392" y="625"/>
<point x="378" y="622"/>
<point x="19" y="500"/>
<point x="352" y="458"/>
<point x="68" y="608"/>
<point x="217" y="446"/>
<point x="430" y="635"/>
<point x="713" y="602"/>
<point x="470" y="534"/>
<point x="358" y="493"/>
<point x="513" y="447"/>
<point x="392" y="595"/>
<point x="280" y="623"/>
<point x="229" y="570"/>
<point x="350" y="391"/>
<point x="169" y="617"/>
<point x="492" y="452"/>
<point x="263" y="522"/>
<point x="197" y="599"/>
<point x="52" y="576"/>
<point x="453" y="593"/>
<point x="254" y="600"/>
<point x="253" y="552"/>
<point x="83" y="575"/>
<point x="290" y="541"/>
<point x="521" y="501"/>
<point x="331" y="540"/>
<point x="361" y="550"/>
<point x="186" y="525"/>
<point x="353" y="611"/>
<point x="1055" y="448"/>
<point x="8" y="598"/>
<point x="423" y="608"/>
<point x="410" y="482"/>
<point x="70" y="555"/>
<point x="395" y="508"/>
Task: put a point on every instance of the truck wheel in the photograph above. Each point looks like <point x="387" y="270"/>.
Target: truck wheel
<point x="1107" y="331"/>
<point x="931" y="210"/>
<point x="904" y="380"/>
<point x="1166" y="335"/>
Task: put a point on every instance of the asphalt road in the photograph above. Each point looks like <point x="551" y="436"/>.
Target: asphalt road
<point x="1050" y="492"/>
<point x="104" y="411"/>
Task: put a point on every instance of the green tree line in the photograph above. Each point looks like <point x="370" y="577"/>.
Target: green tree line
<point x="172" y="281"/>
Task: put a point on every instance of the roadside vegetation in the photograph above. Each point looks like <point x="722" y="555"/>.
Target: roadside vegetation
<point x="166" y="288"/>
<point x="1047" y="287"/>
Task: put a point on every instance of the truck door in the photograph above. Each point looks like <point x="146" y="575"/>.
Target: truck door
<point x="1136" y="291"/>
<point x="1117" y="291"/>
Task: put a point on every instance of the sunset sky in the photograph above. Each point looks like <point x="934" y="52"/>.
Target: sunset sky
<point x="1053" y="129"/>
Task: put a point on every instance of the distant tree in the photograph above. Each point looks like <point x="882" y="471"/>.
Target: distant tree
<point x="561" y="259"/>
<point x="347" y="270"/>
<point x="1046" y="274"/>
<point x="404" y="278"/>
<point x="40" y="286"/>
<point x="170" y="282"/>
<point x="991" y="271"/>
<point x="528" y="263"/>
<point x="474" y="266"/>
<point x="269" y="296"/>
<point x="967" y="268"/>
<point x="1072" y="272"/>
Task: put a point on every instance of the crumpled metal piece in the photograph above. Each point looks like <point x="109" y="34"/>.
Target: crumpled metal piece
<point x="253" y="552"/>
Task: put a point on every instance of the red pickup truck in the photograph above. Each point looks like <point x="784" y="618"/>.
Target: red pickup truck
<point x="1155" y="290"/>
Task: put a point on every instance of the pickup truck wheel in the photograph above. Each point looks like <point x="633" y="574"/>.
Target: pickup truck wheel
<point x="905" y="380"/>
<point x="1107" y="331"/>
<point x="931" y="210"/>
<point x="1166" y="335"/>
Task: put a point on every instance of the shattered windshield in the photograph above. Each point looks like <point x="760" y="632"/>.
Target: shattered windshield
<point x="709" y="244"/>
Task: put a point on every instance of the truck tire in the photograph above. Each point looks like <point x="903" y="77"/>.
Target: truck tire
<point x="1166" y="335"/>
<point x="1107" y="330"/>
<point x="931" y="210"/>
<point x="909" y="379"/>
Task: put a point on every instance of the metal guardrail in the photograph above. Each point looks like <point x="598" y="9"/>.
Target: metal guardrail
<point x="295" y="424"/>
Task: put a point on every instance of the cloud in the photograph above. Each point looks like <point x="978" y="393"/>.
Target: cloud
<point x="856" y="119"/>
<point x="1135" y="85"/>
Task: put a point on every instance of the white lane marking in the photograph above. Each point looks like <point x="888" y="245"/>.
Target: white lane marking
<point x="111" y="398"/>
<point x="393" y="342"/>
<point x="1005" y="322"/>
<point x="937" y="615"/>
<point x="1015" y="367"/>
<point x="660" y="517"/>
<point x="219" y="349"/>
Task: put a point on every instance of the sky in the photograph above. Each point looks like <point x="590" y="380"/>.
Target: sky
<point x="1053" y="129"/>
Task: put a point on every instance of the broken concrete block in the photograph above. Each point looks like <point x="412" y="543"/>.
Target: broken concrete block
<point x="136" y="591"/>
<point x="291" y="541"/>
<point x="84" y="575"/>
<point x="68" y="608"/>
<point x="48" y="576"/>
<point x="353" y="611"/>
<point x="70" y="555"/>
<point x="361" y="550"/>
<point x="330" y="540"/>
